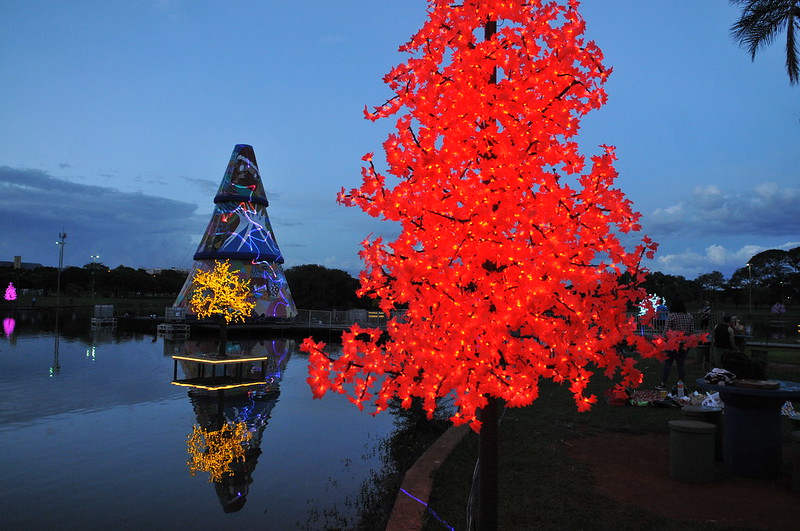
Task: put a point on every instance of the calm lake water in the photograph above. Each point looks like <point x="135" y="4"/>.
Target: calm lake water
<point x="94" y="435"/>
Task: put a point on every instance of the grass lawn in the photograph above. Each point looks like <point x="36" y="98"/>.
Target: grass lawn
<point x="540" y="487"/>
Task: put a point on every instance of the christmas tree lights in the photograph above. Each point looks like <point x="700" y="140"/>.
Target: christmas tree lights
<point x="221" y="292"/>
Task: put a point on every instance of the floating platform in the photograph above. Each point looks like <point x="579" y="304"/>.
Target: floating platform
<point x="220" y="373"/>
<point x="174" y="330"/>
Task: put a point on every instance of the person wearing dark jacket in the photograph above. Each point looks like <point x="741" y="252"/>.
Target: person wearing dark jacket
<point x="681" y="321"/>
<point x="731" y="355"/>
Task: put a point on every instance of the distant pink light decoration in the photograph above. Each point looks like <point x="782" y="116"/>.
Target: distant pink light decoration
<point x="11" y="292"/>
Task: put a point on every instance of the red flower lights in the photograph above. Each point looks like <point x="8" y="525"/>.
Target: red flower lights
<point x="509" y="260"/>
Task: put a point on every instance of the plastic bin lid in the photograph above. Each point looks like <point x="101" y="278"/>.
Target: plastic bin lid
<point x="692" y="426"/>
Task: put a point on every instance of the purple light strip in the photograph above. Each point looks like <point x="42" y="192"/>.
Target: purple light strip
<point x="427" y="508"/>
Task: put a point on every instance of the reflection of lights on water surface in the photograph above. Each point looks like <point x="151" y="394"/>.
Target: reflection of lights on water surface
<point x="215" y="451"/>
<point x="91" y="352"/>
<point x="226" y="441"/>
<point x="8" y="325"/>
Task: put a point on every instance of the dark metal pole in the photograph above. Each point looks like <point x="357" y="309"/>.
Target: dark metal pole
<point x="94" y="270"/>
<point x="488" y="30"/>
<point x="488" y="467"/>
<point x="62" y="236"/>
<point x="750" y="292"/>
<point x="489" y="439"/>
<point x="56" y="368"/>
<point x="222" y="351"/>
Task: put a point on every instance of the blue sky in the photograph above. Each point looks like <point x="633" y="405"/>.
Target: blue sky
<point x="117" y="119"/>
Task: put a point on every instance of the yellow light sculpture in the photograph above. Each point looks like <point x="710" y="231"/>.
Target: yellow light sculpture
<point x="214" y="451"/>
<point x="221" y="291"/>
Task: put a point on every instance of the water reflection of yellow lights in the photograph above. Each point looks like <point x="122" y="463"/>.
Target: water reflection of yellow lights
<point x="220" y="387"/>
<point x="214" y="451"/>
<point x="219" y="361"/>
<point x="218" y="382"/>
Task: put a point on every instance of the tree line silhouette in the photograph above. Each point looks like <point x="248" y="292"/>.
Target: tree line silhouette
<point x="314" y="287"/>
<point x="768" y="277"/>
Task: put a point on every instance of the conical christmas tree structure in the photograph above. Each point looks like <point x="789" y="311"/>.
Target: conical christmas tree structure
<point x="240" y="232"/>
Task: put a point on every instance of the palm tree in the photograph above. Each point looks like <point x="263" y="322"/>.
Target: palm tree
<point x="761" y="21"/>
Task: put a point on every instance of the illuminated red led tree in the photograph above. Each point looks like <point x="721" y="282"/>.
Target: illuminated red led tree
<point x="509" y="261"/>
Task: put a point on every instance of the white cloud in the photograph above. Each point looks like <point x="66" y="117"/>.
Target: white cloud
<point x="708" y="197"/>
<point x="717" y="254"/>
<point x="767" y="190"/>
<point x="717" y="228"/>
<point x="690" y="263"/>
<point x="767" y="210"/>
<point x="132" y="229"/>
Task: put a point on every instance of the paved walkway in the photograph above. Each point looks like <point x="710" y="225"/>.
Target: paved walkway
<point x="416" y="487"/>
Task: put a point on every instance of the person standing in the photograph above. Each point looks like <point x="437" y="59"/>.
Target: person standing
<point x="662" y="312"/>
<point x="681" y="321"/>
<point x="730" y="352"/>
<point x="722" y="341"/>
<point x="705" y="315"/>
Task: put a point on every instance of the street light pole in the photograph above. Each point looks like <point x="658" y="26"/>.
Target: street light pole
<point x="94" y="267"/>
<point x="62" y="236"/>
<point x="56" y="368"/>
<point x="750" y="290"/>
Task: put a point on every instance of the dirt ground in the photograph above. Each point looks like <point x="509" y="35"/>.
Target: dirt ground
<point x="635" y="469"/>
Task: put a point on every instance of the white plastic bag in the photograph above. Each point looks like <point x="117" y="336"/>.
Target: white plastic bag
<point x="712" y="400"/>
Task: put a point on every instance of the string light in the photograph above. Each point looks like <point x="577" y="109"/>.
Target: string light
<point x="215" y="451"/>
<point x="221" y="291"/>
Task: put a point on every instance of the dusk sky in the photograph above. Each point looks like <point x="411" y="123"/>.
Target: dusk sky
<point x="117" y="120"/>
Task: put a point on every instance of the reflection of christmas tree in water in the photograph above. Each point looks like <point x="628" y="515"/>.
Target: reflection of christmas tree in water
<point x="215" y="451"/>
<point x="226" y="442"/>
<point x="8" y="326"/>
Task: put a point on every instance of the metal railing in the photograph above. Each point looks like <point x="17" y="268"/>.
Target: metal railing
<point x="656" y="326"/>
<point x="344" y="318"/>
